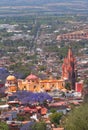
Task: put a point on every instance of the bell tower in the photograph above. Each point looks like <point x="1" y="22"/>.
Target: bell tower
<point x="69" y="68"/>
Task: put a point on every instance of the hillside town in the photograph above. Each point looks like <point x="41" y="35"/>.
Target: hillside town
<point x="43" y="51"/>
<point x="35" y="98"/>
<point x="43" y="70"/>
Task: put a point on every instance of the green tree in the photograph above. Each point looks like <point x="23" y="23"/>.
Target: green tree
<point x="68" y="85"/>
<point x="42" y="67"/>
<point x="55" y="118"/>
<point x="20" y="118"/>
<point x="85" y="91"/>
<point x="85" y="82"/>
<point x="3" y="126"/>
<point x="53" y="110"/>
<point x="39" y="126"/>
<point x="77" y="119"/>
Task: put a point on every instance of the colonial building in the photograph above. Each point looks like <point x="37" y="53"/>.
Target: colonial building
<point x="69" y="69"/>
<point x="77" y="35"/>
<point x="33" y="83"/>
<point x="11" y="84"/>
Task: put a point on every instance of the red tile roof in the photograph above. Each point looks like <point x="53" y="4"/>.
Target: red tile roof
<point x="58" y="128"/>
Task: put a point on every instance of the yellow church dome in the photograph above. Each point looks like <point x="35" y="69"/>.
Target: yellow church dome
<point x="11" y="77"/>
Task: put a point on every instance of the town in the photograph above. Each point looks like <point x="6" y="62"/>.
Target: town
<point x="36" y="98"/>
<point x="43" y="70"/>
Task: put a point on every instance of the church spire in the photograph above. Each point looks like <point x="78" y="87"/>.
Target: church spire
<point x="68" y="68"/>
<point x="70" y="53"/>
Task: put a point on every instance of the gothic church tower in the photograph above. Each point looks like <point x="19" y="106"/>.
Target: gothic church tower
<point x="69" y="68"/>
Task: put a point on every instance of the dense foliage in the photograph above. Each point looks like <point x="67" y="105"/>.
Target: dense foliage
<point x="39" y="126"/>
<point x="3" y="126"/>
<point x="77" y="119"/>
<point x="55" y="118"/>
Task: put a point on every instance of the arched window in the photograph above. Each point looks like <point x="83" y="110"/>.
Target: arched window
<point x="42" y="86"/>
<point x="24" y="87"/>
<point x="34" y="86"/>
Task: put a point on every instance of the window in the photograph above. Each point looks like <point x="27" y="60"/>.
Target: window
<point x="34" y="86"/>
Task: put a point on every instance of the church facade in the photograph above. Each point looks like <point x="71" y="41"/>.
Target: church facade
<point x="33" y="83"/>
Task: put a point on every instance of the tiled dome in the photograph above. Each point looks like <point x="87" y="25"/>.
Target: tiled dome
<point x="31" y="77"/>
<point x="11" y="78"/>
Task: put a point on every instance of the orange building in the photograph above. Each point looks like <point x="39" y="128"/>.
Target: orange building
<point x="77" y="35"/>
<point x="69" y="68"/>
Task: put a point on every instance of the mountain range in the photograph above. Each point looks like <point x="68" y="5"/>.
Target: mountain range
<point x="57" y="6"/>
<point x="39" y="2"/>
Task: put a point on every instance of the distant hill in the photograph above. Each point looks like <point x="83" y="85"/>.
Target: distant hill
<point x="36" y="2"/>
<point x="26" y="2"/>
<point x="18" y="7"/>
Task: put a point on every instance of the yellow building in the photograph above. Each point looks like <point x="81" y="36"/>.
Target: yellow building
<point x="33" y="83"/>
<point x="11" y="84"/>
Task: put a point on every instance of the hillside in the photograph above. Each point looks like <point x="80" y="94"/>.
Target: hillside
<point x="41" y="2"/>
<point x="24" y="7"/>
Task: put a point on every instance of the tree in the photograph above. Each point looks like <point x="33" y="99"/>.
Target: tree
<point x="39" y="126"/>
<point x="85" y="82"/>
<point x="77" y="119"/>
<point x="55" y="118"/>
<point x="3" y="126"/>
<point x="53" y="110"/>
<point x="68" y="85"/>
<point x="20" y="118"/>
<point x="85" y="91"/>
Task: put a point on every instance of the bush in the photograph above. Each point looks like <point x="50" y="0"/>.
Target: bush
<point x="3" y="126"/>
<point x="20" y="118"/>
<point x="77" y="119"/>
<point x="53" y="110"/>
<point x="39" y="126"/>
<point x="55" y="118"/>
